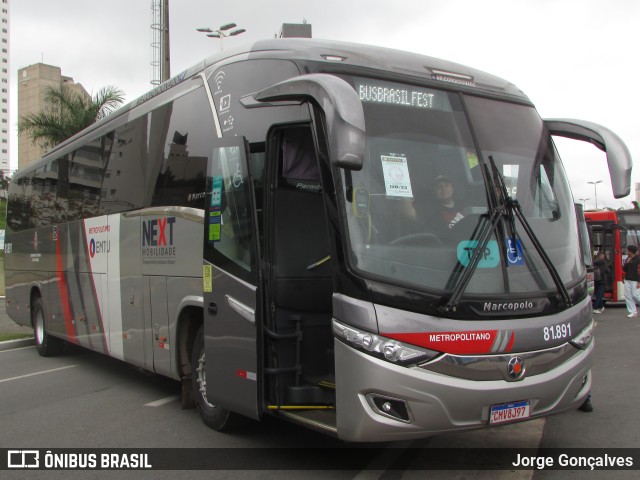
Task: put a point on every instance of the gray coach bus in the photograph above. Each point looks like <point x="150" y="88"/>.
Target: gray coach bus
<point x="372" y="243"/>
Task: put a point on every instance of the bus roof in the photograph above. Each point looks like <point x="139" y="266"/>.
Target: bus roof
<point x="339" y="57"/>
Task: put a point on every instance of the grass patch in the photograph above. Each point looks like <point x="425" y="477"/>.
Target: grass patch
<point x="14" y="336"/>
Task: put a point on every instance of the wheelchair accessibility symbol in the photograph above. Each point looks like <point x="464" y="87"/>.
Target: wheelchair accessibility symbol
<point x="515" y="254"/>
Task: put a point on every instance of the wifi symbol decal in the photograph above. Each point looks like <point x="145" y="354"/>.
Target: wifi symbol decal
<point x="218" y="79"/>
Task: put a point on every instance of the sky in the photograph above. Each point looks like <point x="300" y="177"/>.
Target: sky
<point x="573" y="58"/>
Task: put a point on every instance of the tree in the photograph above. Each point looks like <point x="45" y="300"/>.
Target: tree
<point x="68" y="113"/>
<point x="4" y="184"/>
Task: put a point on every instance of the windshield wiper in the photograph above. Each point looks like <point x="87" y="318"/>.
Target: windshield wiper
<point x="514" y="209"/>
<point x="507" y="206"/>
<point x="488" y="223"/>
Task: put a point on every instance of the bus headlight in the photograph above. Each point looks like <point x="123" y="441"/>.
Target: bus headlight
<point x="382" y="347"/>
<point x="584" y="338"/>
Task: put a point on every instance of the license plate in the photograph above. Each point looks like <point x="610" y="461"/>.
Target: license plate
<point x="509" y="412"/>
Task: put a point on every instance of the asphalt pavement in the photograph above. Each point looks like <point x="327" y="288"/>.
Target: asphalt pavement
<point x="9" y="326"/>
<point x="613" y="423"/>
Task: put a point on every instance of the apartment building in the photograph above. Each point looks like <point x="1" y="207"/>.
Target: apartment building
<point x="32" y="83"/>
<point x="4" y="90"/>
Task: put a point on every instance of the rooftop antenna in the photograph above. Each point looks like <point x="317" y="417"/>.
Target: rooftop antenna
<point x="160" y="70"/>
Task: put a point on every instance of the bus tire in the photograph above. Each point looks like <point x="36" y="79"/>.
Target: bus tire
<point x="46" y="345"/>
<point x="214" y="416"/>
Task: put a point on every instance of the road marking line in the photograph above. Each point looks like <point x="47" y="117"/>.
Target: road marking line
<point x="162" y="401"/>
<point x="19" y="348"/>
<point x="36" y="373"/>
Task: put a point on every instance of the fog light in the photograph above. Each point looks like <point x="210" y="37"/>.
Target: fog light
<point x="390" y="407"/>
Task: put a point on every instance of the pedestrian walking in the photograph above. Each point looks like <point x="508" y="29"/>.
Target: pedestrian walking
<point x="601" y="272"/>
<point x="631" y="277"/>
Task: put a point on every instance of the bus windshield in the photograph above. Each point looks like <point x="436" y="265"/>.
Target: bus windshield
<point x="415" y="210"/>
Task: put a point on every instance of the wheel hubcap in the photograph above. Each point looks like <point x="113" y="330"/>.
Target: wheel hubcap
<point x="39" y="328"/>
<point x="202" y="380"/>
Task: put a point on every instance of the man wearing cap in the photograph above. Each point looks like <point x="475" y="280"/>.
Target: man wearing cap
<point x="443" y="191"/>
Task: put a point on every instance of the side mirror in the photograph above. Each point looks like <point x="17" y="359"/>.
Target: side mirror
<point x="341" y="106"/>
<point x="618" y="156"/>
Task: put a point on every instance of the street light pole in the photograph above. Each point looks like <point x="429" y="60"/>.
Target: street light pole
<point x="221" y="32"/>
<point x="584" y="202"/>
<point x="595" y="190"/>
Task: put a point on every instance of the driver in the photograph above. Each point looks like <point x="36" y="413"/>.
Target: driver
<point x="435" y="210"/>
<point x="446" y="211"/>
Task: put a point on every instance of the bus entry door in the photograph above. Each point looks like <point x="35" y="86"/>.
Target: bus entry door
<point x="230" y="280"/>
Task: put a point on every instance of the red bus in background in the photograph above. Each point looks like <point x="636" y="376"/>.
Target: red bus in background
<point x="612" y="231"/>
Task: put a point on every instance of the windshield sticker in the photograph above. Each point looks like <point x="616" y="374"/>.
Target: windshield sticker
<point x="215" y="210"/>
<point x="472" y="160"/>
<point x="490" y="258"/>
<point x="515" y="254"/>
<point x="216" y="191"/>
<point x="207" y="278"/>
<point x="396" y="175"/>
<point x="215" y="226"/>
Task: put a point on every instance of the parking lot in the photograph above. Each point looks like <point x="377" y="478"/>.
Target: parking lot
<point x="85" y="400"/>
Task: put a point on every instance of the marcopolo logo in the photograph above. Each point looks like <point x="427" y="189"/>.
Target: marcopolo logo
<point x="508" y="306"/>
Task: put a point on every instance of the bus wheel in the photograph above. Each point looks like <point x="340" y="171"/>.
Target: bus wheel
<point x="213" y="415"/>
<point x="47" y="345"/>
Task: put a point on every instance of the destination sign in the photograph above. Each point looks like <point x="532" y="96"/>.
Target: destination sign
<point x="402" y="95"/>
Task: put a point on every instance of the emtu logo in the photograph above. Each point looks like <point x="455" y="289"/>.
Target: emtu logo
<point x="101" y="246"/>
<point x="158" y="232"/>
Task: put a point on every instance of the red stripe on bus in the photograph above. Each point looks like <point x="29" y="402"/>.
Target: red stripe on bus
<point x="94" y="290"/>
<point x="63" y="290"/>
<point x="511" y="340"/>
<point x="459" y="343"/>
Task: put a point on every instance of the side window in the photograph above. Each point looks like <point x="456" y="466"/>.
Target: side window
<point x="180" y="146"/>
<point x="62" y="197"/>
<point x="545" y="202"/>
<point x="85" y="180"/>
<point x="257" y="169"/>
<point x="43" y="198"/>
<point x="19" y="204"/>
<point x="299" y="166"/>
<point x="229" y="231"/>
<point x="122" y="187"/>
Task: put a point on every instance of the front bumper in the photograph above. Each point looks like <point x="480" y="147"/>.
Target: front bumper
<point x="438" y="403"/>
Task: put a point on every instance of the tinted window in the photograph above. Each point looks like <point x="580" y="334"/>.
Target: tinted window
<point x="19" y="205"/>
<point x="122" y="187"/>
<point x="85" y="179"/>
<point x="43" y="196"/>
<point x="229" y="230"/>
<point x="180" y="145"/>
